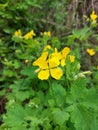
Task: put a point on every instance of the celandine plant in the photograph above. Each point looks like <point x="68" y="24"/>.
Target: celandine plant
<point x="52" y="93"/>
<point x="49" y="63"/>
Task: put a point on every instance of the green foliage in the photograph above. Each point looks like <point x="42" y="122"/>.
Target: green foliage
<point x="83" y="110"/>
<point x="26" y="101"/>
<point x="56" y="108"/>
<point x="69" y="103"/>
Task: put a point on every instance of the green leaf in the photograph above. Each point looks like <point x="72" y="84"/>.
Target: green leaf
<point x="62" y="127"/>
<point x="21" y="84"/>
<point x="59" y="116"/>
<point x="21" y="127"/>
<point x="51" y="102"/>
<point x="58" y="94"/>
<point x="33" y="3"/>
<point x="55" y="42"/>
<point x="43" y="85"/>
<point x="83" y="118"/>
<point x="28" y="71"/>
<point x="16" y="64"/>
<point x="91" y="99"/>
<point x="82" y="34"/>
<point x="22" y="95"/>
<point x="83" y="107"/>
<point x="14" y="116"/>
<point x="9" y="73"/>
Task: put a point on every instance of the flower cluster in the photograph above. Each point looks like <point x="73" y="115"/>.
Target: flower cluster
<point x="93" y="17"/>
<point x="47" y="33"/>
<point x="30" y="34"/>
<point x="27" y="36"/>
<point x="51" y="64"/>
<point x="91" y="52"/>
<point x="18" y="33"/>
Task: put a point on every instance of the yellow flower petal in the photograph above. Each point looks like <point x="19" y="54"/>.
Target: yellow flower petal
<point x="56" y="73"/>
<point x="63" y="62"/>
<point x="41" y="61"/>
<point x="47" y="47"/>
<point x="72" y="58"/>
<point x="93" y="16"/>
<point x="32" y="33"/>
<point x="56" y="54"/>
<point x="53" y="62"/>
<point x="49" y="34"/>
<point x="18" y="33"/>
<point x="65" y="51"/>
<point x="43" y="74"/>
<point x="29" y="35"/>
<point x="43" y="65"/>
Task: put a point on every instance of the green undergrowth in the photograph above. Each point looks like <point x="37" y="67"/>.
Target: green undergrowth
<point x="48" y="66"/>
<point x="60" y="102"/>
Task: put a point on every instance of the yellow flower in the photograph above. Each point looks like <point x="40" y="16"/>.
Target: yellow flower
<point x="93" y="16"/>
<point x="48" y="66"/>
<point x="26" y="61"/>
<point x="41" y="61"/>
<point x="91" y="52"/>
<point x="47" y="47"/>
<point x="56" y="54"/>
<point x="64" y="53"/>
<point x="72" y="58"/>
<point x="47" y="33"/>
<point x="18" y="33"/>
<point x="29" y="35"/>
